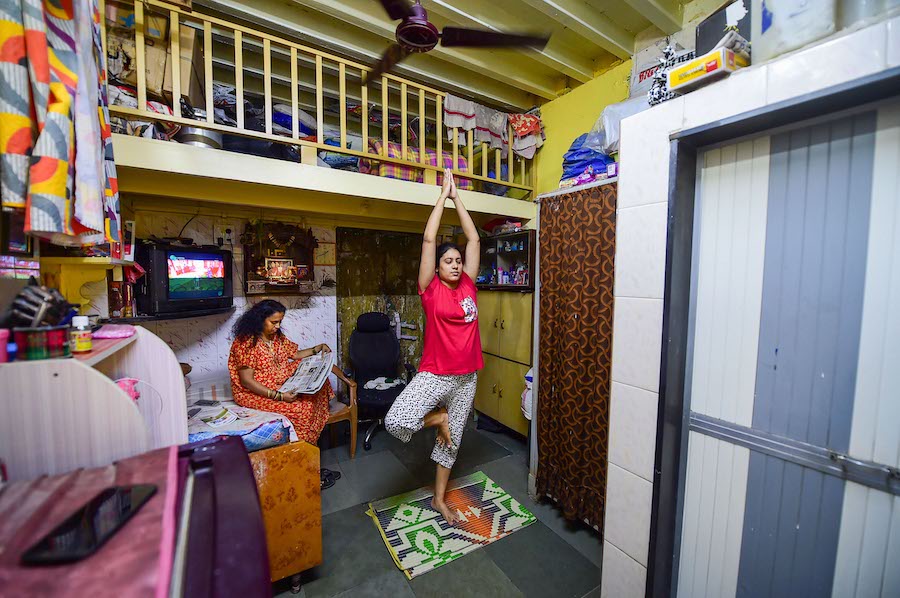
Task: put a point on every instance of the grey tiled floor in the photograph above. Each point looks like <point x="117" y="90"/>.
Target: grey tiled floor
<point x="550" y="558"/>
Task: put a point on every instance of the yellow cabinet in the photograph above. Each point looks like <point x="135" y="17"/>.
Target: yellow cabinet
<point x="505" y="324"/>
<point x="486" y="400"/>
<point x="499" y="392"/>
<point x="516" y="326"/>
<point x="489" y="321"/>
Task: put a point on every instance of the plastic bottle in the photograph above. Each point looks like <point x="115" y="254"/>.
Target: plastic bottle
<point x="80" y="335"/>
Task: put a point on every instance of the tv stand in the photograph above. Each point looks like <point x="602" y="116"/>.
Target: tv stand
<point x="170" y="316"/>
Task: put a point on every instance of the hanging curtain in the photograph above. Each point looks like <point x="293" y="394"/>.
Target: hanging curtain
<point x="577" y="241"/>
<point x="51" y="108"/>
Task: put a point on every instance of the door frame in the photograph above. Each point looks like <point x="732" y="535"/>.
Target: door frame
<point x="673" y="421"/>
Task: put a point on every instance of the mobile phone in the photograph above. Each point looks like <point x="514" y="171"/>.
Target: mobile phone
<point x="88" y="528"/>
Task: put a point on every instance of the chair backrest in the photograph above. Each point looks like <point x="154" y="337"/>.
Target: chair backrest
<point x="374" y="348"/>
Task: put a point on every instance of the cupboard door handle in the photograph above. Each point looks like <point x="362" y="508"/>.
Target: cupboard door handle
<point x="495" y="322"/>
<point x="494" y="389"/>
<point x="500" y="394"/>
<point x="502" y="324"/>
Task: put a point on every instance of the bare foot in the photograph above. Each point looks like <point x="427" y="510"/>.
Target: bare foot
<point x="448" y="514"/>
<point x="443" y="430"/>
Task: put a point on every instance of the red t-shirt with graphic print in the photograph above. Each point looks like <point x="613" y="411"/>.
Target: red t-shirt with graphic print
<point x="452" y="341"/>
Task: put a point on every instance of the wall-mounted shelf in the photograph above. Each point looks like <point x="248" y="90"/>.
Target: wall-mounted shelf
<point x="179" y="316"/>
<point x="105" y="262"/>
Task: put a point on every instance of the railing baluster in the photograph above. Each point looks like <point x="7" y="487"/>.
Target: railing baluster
<point x="422" y="157"/>
<point x="509" y="155"/>
<point x="239" y="77"/>
<point x="208" y="71"/>
<point x="439" y="131"/>
<point x="267" y="83"/>
<point x="385" y="116"/>
<point x="522" y="170"/>
<point x="364" y="96"/>
<point x="497" y="164"/>
<point x="471" y="147"/>
<point x="140" y="56"/>
<point x="484" y="159"/>
<point x="175" y="39"/>
<point x="320" y="103"/>
<point x="295" y="97"/>
<point x="456" y="150"/>
<point x="403" y="120"/>
<point x="342" y="91"/>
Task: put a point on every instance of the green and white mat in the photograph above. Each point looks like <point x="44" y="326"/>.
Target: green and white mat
<point x="420" y="540"/>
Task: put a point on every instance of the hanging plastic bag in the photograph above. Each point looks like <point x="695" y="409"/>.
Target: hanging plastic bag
<point x="611" y="119"/>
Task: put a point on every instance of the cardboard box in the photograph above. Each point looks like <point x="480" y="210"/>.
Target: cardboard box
<point x="122" y="61"/>
<point x="703" y="69"/>
<point x="156" y="25"/>
<point x="735" y="16"/>
<point x="192" y="79"/>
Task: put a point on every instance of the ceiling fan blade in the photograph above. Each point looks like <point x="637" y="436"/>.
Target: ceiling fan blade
<point x="398" y="9"/>
<point x="483" y="38"/>
<point x="391" y="57"/>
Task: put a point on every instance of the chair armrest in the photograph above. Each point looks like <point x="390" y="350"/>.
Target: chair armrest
<point x="351" y="384"/>
<point x="410" y="372"/>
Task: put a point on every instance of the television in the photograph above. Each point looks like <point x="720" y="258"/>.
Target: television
<point x="182" y="281"/>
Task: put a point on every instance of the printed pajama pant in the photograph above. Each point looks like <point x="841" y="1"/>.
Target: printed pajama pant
<point x="426" y="393"/>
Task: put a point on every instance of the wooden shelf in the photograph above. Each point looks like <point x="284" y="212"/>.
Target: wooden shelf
<point x="106" y="262"/>
<point x="103" y="348"/>
<point x="179" y="316"/>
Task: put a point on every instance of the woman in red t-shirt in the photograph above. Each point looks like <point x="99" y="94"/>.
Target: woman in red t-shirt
<point x="441" y="394"/>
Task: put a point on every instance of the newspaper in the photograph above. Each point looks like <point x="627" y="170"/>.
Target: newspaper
<point x="223" y="417"/>
<point x="310" y="375"/>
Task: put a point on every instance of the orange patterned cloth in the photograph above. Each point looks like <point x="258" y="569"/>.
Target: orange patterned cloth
<point x="308" y="414"/>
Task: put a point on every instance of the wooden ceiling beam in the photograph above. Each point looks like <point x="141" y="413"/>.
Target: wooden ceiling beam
<point x="588" y="23"/>
<point x="477" y="14"/>
<point x="666" y="15"/>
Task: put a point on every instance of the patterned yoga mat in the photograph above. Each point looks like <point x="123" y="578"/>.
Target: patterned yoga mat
<point x="420" y="540"/>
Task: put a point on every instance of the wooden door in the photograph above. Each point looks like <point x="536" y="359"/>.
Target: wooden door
<point x="489" y="321"/>
<point x="486" y="393"/>
<point x="516" y="326"/>
<point x="510" y="384"/>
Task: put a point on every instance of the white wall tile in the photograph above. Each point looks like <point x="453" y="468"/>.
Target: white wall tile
<point x="740" y="92"/>
<point x="623" y="577"/>
<point x="830" y="63"/>
<point x="644" y="154"/>
<point x="628" y="502"/>
<point x="632" y="429"/>
<point x="641" y="251"/>
<point x="637" y="340"/>
<point x="893" y="42"/>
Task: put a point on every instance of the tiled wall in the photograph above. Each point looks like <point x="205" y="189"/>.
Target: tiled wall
<point x="640" y="266"/>
<point x="205" y="342"/>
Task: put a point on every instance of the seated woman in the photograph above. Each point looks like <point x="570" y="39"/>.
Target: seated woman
<point x="262" y="359"/>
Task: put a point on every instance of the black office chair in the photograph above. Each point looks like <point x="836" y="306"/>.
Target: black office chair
<point x="375" y="353"/>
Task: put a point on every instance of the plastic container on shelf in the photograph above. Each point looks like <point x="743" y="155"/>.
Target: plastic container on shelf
<point x="779" y="26"/>
<point x="82" y="339"/>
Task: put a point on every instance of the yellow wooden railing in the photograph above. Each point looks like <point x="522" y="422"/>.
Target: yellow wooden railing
<point x="415" y="100"/>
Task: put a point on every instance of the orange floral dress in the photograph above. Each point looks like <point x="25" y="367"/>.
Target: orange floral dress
<point x="308" y="414"/>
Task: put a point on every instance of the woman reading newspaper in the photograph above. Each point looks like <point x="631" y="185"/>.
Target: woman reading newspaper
<point x="262" y="359"/>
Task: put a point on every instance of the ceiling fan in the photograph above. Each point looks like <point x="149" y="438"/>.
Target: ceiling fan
<point x="415" y="34"/>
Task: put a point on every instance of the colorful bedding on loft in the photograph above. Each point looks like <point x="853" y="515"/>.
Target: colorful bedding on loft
<point x="411" y="173"/>
<point x="52" y="103"/>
